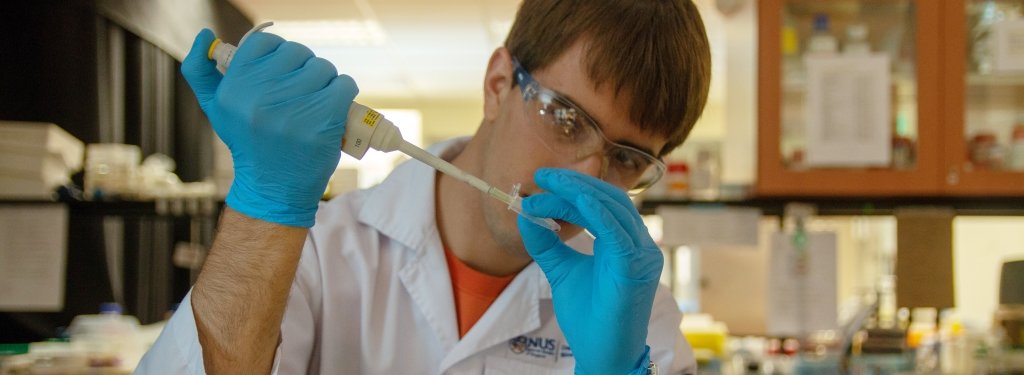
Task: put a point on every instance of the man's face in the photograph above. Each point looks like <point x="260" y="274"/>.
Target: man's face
<point x="516" y="147"/>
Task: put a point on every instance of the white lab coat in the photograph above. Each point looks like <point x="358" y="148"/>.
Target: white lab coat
<point x="372" y="295"/>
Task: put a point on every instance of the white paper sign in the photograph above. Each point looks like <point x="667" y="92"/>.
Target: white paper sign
<point x="33" y="253"/>
<point x="803" y="299"/>
<point x="1008" y="46"/>
<point x="848" y="111"/>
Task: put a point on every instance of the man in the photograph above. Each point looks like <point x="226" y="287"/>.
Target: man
<point x="422" y="273"/>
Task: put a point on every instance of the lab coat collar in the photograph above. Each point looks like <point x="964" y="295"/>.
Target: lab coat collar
<point x="402" y="206"/>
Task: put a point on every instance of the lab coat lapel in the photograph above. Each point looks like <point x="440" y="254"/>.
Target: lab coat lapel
<point x="430" y="288"/>
<point x="515" y="312"/>
<point x="402" y="208"/>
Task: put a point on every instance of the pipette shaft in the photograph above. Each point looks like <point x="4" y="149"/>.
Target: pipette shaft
<point x="514" y="202"/>
<point x="451" y="170"/>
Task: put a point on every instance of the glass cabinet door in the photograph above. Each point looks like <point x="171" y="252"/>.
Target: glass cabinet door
<point x="848" y="97"/>
<point x="984" y="153"/>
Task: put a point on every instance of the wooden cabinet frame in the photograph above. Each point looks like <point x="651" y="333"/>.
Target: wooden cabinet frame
<point x="958" y="179"/>
<point x="774" y="179"/>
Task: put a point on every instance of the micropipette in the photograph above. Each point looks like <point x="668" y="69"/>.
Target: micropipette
<point x="367" y="128"/>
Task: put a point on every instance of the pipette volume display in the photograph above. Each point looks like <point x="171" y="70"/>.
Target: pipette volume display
<point x="366" y="128"/>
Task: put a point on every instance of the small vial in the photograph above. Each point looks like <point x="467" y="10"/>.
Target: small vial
<point x="705" y="178"/>
<point x="822" y="41"/>
<point x="856" y="42"/>
<point x="677" y="180"/>
<point x="1015" y="152"/>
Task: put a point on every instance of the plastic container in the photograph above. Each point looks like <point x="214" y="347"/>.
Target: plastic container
<point x="1015" y="152"/>
<point x="108" y="339"/>
<point x="822" y="41"/>
<point x="856" y="42"/>
<point x="922" y="326"/>
<point x="110" y="170"/>
<point x="954" y="356"/>
<point x="985" y="151"/>
<point x="55" y="358"/>
<point x="705" y="334"/>
<point x="902" y="152"/>
<point x="706" y="177"/>
<point x="677" y="180"/>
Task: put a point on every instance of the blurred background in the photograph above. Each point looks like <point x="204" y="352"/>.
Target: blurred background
<point x="851" y="200"/>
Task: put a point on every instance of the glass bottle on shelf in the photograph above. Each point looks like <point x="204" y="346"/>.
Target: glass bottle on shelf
<point x="856" y="42"/>
<point x="983" y="19"/>
<point x="822" y="41"/>
<point x="983" y="16"/>
<point x="1015" y="152"/>
<point x="904" y="154"/>
<point x="984" y="151"/>
<point x="705" y="177"/>
<point x="792" y="66"/>
<point x="678" y="180"/>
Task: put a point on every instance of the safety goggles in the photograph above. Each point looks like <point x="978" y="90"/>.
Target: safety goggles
<point x="567" y="130"/>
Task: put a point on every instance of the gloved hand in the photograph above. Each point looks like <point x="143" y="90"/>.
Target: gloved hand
<point x="602" y="302"/>
<point x="281" y="111"/>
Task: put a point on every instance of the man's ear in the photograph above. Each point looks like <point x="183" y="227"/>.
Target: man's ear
<point x="498" y="82"/>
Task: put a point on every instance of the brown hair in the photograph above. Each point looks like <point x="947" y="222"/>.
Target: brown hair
<point x="656" y="51"/>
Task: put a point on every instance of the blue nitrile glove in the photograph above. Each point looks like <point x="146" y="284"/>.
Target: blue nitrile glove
<point x="602" y="302"/>
<point x="281" y="111"/>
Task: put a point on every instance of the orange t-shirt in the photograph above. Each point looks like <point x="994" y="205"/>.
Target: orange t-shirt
<point x="474" y="291"/>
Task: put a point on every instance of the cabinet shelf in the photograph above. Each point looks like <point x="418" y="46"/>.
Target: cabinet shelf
<point x="976" y="79"/>
<point x="903" y="82"/>
<point x="857" y="206"/>
<point x="206" y="209"/>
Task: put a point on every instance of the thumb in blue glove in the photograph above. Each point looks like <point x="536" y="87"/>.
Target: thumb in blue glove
<point x="281" y="111"/>
<point x="196" y="68"/>
<point x="602" y="302"/>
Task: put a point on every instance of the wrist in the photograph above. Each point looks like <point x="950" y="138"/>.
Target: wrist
<point x="280" y="212"/>
<point x="645" y="366"/>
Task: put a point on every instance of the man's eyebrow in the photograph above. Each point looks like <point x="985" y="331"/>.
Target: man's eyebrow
<point x="638" y="147"/>
<point x="624" y="142"/>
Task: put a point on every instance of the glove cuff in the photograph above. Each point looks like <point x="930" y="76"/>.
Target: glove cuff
<point x="644" y="366"/>
<point x="275" y="212"/>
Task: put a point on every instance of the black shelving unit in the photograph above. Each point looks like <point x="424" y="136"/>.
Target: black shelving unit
<point x="143" y="235"/>
<point x="108" y="71"/>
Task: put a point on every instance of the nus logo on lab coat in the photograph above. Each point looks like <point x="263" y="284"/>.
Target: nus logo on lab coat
<point x="538" y="347"/>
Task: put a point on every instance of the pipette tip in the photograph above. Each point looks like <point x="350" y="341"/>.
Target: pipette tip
<point x="517" y="206"/>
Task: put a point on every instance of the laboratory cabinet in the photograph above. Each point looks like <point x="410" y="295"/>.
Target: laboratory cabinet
<point x="890" y="98"/>
<point x="983" y="106"/>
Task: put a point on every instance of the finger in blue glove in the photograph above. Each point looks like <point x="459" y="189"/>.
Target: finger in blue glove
<point x="602" y="302"/>
<point x="281" y="111"/>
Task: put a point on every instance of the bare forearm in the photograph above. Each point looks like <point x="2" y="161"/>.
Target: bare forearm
<point x="240" y="296"/>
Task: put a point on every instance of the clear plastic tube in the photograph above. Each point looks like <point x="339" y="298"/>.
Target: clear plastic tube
<point x="517" y="206"/>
